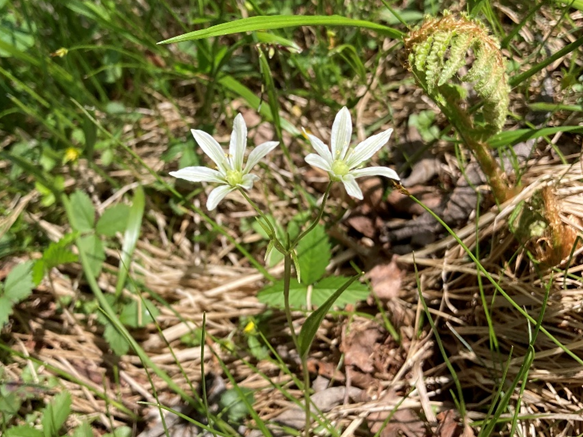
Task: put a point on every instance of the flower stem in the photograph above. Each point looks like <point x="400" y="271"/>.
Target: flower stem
<point x="303" y="357"/>
<point x="273" y="235"/>
<point x="318" y="218"/>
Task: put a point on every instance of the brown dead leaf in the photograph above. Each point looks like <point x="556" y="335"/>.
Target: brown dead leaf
<point x="404" y="422"/>
<point x="323" y="368"/>
<point x="359" y="347"/>
<point x="385" y="280"/>
<point x="363" y="224"/>
<point x="450" y="427"/>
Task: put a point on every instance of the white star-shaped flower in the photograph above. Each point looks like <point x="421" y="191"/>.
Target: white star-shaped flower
<point x="230" y="173"/>
<point x="343" y="161"/>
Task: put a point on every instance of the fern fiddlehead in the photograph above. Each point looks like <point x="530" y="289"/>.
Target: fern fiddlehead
<point x="437" y="52"/>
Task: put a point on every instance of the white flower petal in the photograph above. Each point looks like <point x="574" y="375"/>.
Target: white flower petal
<point x="368" y="148"/>
<point x="198" y="174"/>
<point x="211" y="148"/>
<point x="238" y="143"/>
<point x="321" y="148"/>
<point x="341" y="134"/>
<point x="258" y="153"/>
<point x="217" y="195"/>
<point x="376" y="171"/>
<point x="317" y="161"/>
<point x="352" y="187"/>
<point x="248" y="181"/>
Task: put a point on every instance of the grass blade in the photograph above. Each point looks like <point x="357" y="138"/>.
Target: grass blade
<point x="281" y="22"/>
<point x="517" y="80"/>
<point x="512" y="137"/>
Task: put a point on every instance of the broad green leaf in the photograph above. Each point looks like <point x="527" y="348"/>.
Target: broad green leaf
<point x="23" y="431"/>
<point x="257" y="348"/>
<point x="38" y="271"/>
<point x="93" y="247"/>
<point x="236" y="408"/>
<point x="312" y="323"/>
<point x="83" y="212"/>
<point x="122" y="431"/>
<point x="113" y="220"/>
<point x="58" y="253"/>
<point x="137" y="314"/>
<point x="516" y="136"/>
<point x="118" y="343"/>
<point x="83" y="430"/>
<point x="5" y="311"/>
<point x="106" y="308"/>
<point x="19" y="285"/>
<point x="272" y="295"/>
<point x="10" y="401"/>
<point x="130" y="237"/>
<point x="314" y="255"/>
<point x="280" y="22"/>
<point x="55" y="414"/>
<point x="327" y="287"/>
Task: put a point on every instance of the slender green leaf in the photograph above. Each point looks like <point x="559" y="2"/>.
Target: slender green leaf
<point x="516" y="80"/>
<point x="516" y="136"/>
<point x="542" y="106"/>
<point x="281" y="22"/>
<point x="130" y="238"/>
<point x="233" y="85"/>
<point x="312" y="323"/>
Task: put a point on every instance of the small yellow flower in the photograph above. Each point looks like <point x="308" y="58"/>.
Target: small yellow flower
<point x="60" y="53"/>
<point x="250" y="328"/>
<point x="71" y="155"/>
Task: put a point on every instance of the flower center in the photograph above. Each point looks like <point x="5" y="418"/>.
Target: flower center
<point x="234" y="177"/>
<point x="339" y="168"/>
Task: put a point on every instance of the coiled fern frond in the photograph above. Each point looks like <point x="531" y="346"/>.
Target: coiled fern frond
<point x="437" y="53"/>
<point x="444" y="54"/>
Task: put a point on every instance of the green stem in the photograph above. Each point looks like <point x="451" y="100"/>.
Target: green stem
<point x="318" y="218"/>
<point x="303" y="357"/>
<point x="272" y="233"/>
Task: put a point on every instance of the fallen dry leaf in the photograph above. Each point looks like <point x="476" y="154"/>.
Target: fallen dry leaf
<point x="385" y="280"/>
<point x="404" y="422"/>
<point x="359" y="347"/>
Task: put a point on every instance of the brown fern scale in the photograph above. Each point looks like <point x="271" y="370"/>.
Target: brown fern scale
<point x="438" y="50"/>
